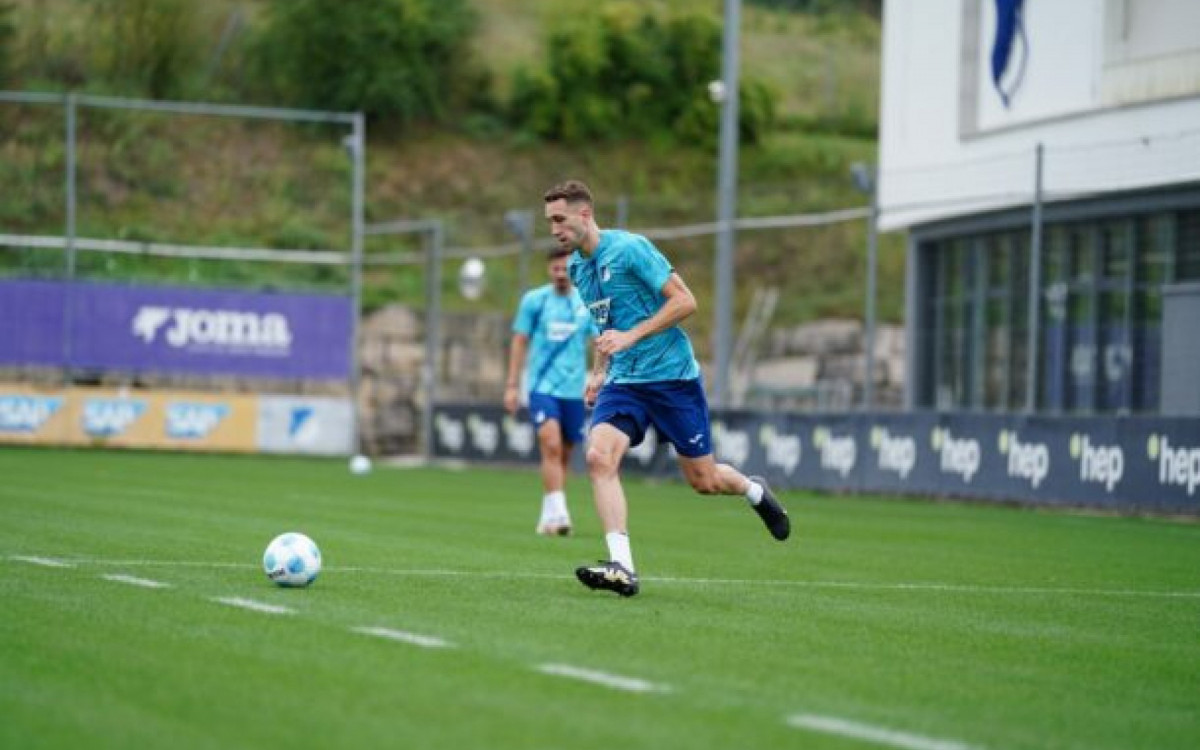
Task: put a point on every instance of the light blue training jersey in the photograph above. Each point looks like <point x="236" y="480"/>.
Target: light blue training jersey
<point x="621" y="283"/>
<point x="558" y="327"/>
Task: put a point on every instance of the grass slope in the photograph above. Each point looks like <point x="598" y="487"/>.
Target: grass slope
<point x="988" y="626"/>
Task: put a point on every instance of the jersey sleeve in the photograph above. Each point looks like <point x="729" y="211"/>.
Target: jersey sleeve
<point x="650" y="265"/>
<point x="526" y="312"/>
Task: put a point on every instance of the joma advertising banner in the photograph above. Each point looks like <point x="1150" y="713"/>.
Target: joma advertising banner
<point x="1122" y="463"/>
<point x="166" y="329"/>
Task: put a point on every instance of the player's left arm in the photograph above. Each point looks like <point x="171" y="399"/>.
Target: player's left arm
<point x="679" y="303"/>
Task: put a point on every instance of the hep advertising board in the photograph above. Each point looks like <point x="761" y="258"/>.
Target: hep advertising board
<point x="126" y="328"/>
<point x="1119" y="463"/>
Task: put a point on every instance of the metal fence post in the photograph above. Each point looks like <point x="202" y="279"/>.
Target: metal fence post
<point x="727" y="172"/>
<point x="1035" y="285"/>
<point x="357" y="144"/>
<point x="433" y="313"/>
<point x="71" y="106"/>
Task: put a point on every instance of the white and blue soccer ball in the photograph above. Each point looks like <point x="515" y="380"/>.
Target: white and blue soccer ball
<point x="292" y="559"/>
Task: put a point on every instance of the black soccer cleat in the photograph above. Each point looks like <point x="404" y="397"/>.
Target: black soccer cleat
<point x="608" y="576"/>
<point x="771" y="512"/>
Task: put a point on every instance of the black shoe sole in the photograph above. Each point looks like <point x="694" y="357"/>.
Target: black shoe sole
<point x="597" y="582"/>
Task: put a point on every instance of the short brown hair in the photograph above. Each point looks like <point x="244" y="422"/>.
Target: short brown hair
<point x="572" y="191"/>
<point x="555" y="253"/>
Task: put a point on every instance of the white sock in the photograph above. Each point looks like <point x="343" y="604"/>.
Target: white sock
<point x="557" y="506"/>
<point x="618" y="549"/>
<point x="547" y="507"/>
<point x="754" y="493"/>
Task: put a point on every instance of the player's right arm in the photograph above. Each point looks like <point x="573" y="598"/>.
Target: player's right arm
<point x="516" y="361"/>
<point x="596" y="379"/>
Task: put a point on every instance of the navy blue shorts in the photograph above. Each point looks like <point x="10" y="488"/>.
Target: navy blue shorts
<point x="569" y="413"/>
<point x="676" y="408"/>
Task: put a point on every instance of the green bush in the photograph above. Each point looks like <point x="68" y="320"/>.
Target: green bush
<point x="8" y="32"/>
<point x="151" y="44"/>
<point x="402" y="59"/>
<point x="620" y="70"/>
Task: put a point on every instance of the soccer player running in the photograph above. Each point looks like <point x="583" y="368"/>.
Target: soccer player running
<point x="644" y="373"/>
<point x="549" y="345"/>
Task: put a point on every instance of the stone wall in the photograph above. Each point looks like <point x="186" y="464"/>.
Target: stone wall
<point x="820" y="365"/>
<point x="473" y="363"/>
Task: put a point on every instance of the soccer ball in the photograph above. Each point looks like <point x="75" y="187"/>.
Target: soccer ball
<point x="471" y="278"/>
<point x="360" y="464"/>
<point x="292" y="559"/>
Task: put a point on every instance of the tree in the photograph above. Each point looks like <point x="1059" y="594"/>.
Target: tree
<point x="407" y="59"/>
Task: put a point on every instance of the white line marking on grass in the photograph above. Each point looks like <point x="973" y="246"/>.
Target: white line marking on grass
<point x="615" y="681"/>
<point x="415" y="639"/>
<point x="953" y="588"/>
<point x="145" y="583"/>
<point x="271" y="609"/>
<point x="869" y="733"/>
<point x="46" y="562"/>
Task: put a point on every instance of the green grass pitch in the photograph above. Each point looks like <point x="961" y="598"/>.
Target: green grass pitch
<point x="881" y="623"/>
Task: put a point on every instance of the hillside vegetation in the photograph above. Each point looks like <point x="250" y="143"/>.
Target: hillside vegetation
<point x="221" y="181"/>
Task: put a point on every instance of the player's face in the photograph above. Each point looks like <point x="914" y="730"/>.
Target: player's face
<point x="568" y="222"/>
<point x="558" y="274"/>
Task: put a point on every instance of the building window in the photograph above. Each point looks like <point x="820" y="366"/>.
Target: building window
<point x="1101" y="314"/>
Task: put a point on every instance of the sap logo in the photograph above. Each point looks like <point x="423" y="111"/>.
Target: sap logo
<point x="732" y="446"/>
<point x="450" y="432"/>
<point x="644" y="453"/>
<point x="959" y="456"/>
<point x="782" y="450"/>
<point x="1176" y="466"/>
<point x="304" y="428"/>
<point x="1100" y="464"/>
<point x="519" y="436"/>
<point x="105" y="417"/>
<point x="191" y="421"/>
<point x="1029" y="461"/>
<point x="896" y="453"/>
<point x="235" y="329"/>
<point x="838" y="453"/>
<point x="485" y="434"/>
<point x="27" y="413"/>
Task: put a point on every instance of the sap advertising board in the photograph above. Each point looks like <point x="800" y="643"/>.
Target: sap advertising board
<point x="1125" y="463"/>
<point x="165" y="329"/>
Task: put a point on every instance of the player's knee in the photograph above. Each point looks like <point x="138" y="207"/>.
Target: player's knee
<point x="601" y="462"/>
<point x="706" y="483"/>
<point x="552" y="450"/>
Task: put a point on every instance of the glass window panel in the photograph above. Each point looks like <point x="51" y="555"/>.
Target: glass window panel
<point x="1187" y="266"/>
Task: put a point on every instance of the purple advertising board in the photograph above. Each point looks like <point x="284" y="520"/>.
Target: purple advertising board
<point x="175" y="330"/>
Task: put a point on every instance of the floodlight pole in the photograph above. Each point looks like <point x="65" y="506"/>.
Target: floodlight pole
<point x="71" y="105"/>
<point x="727" y="170"/>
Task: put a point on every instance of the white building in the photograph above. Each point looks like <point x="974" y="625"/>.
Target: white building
<point x="1103" y="103"/>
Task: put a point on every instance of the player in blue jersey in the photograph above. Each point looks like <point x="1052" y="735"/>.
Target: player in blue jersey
<point x="549" y="349"/>
<point x="644" y="374"/>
